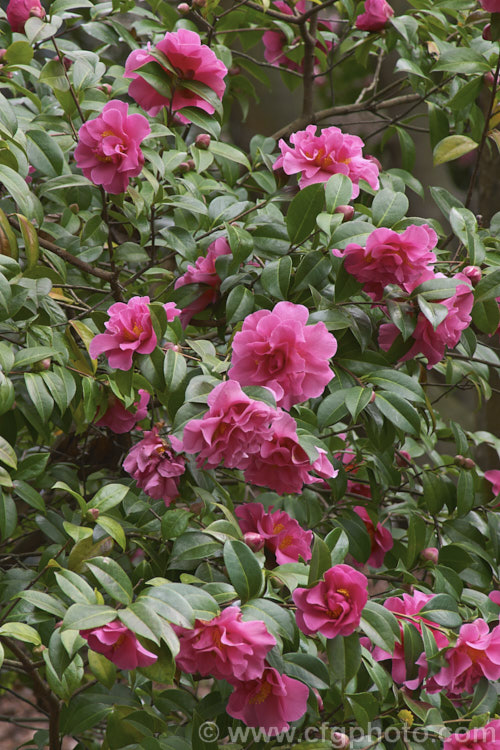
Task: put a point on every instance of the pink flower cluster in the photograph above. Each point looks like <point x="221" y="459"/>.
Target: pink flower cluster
<point x="203" y="272"/>
<point x="18" y="12"/>
<point x="380" y="537"/>
<point x="108" y="151"/>
<point x="249" y="435"/>
<point x="376" y="15"/>
<point x="192" y="61"/>
<point x="333" y="606"/>
<point x="318" y="157"/>
<point x="277" y="350"/>
<point x="231" y="649"/>
<point x="121" y="420"/>
<point x="476" y="654"/>
<point x="275" y="42"/>
<point x="129" y="330"/>
<point x="407" y="609"/>
<point x="118" y="644"/>
<point x="392" y="258"/>
<point x="432" y="342"/>
<point x="275" y="531"/>
<point x="154" y="464"/>
<point x="479" y="738"/>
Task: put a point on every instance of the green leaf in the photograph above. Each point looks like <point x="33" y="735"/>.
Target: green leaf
<point x="344" y="657"/>
<point x="443" y="610"/>
<point x="488" y="287"/>
<point x="75" y="587"/>
<point x="175" y="370"/>
<point x="52" y="74"/>
<point x="41" y="398"/>
<point x="332" y="408"/>
<point x="275" y="277"/>
<point x="462" y="60"/>
<point x="279" y="621"/>
<point x="388" y="207"/>
<point x="380" y="625"/>
<point x="15" y="185"/>
<point x="320" y="561"/>
<point x="243" y="569"/>
<point x="338" y="192"/>
<point x="397" y="382"/>
<point x="433" y="311"/>
<point x="25" y="357"/>
<point x="112" y="578"/>
<point x="103" y="670"/>
<point x="169" y="604"/>
<point x="45" y="602"/>
<point x="240" y="303"/>
<point x="219" y="148"/>
<point x="109" y="496"/>
<point x="7" y="454"/>
<point x="453" y="147"/>
<point x="434" y="496"/>
<point x="8" y="516"/>
<point x="29" y="495"/>
<point x="45" y="153"/>
<point x="465" y="493"/>
<point x="114" y="529"/>
<point x="312" y="270"/>
<point x="19" y="53"/>
<point x="302" y="212"/>
<point x="398" y="412"/>
<point x="87" y="616"/>
<point x="308" y="669"/>
<point x="338" y="543"/>
<point x="202" y="120"/>
<point x="357" y="399"/>
<point x="21" y="632"/>
<point x="486" y="315"/>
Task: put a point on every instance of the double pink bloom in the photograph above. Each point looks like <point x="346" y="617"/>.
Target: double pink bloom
<point x="121" y="420"/>
<point x="334" y="605"/>
<point x="108" y="151"/>
<point x="275" y="531"/>
<point x="203" y="273"/>
<point x="380" y="537"/>
<point x="155" y="465"/>
<point x="118" y="644"/>
<point x="129" y="330"/>
<point x="479" y="738"/>
<point x="278" y="350"/>
<point x="376" y="15"/>
<point x="318" y="157"/>
<point x="192" y="61"/>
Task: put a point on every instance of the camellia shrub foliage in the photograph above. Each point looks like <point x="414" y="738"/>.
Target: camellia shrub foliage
<point x="231" y="512"/>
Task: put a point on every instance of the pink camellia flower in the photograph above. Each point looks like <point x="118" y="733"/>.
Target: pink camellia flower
<point x="226" y="647"/>
<point x="407" y="608"/>
<point x="493" y="477"/>
<point x="108" y="151"/>
<point x="318" y="157"/>
<point x="270" y="701"/>
<point x="233" y="427"/>
<point x="479" y="738"/>
<point x="279" y="532"/>
<point x="492" y="6"/>
<point x="392" y="258"/>
<point x="476" y="654"/>
<point x="276" y="43"/>
<point x="192" y="61"/>
<point x="432" y="343"/>
<point x="118" y="644"/>
<point x="129" y="330"/>
<point x="18" y="12"/>
<point x="276" y="349"/>
<point x="380" y="537"/>
<point x="375" y="17"/>
<point x="333" y="606"/>
<point x="203" y="272"/>
<point x="357" y="488"/>
<point x="282" y="464"/>
<point x="121" y="420"/>
<point x="154" y="465"/>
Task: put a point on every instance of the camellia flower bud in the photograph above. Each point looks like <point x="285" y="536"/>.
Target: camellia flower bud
<point x="431" y="554"/>
<point x="93" y="513"/>
<point x="183" y="8"/>
<point x="348" y="212"/>
<point x="340" y="741"/>
<point x="202" y="141"/>
<point x="469" y="463"/>
<point x="200" y="3"/>
<point x="473" y="273"/>
<point x="487" y="32"/>
<point x="254" y="541"/>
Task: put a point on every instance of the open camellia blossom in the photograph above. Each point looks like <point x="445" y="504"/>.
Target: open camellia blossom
<point x="233" y="427"/>
<point x="121" y="420"/>
<point x="270" y="701"/>
<point x="18" y="12"/>
<point x="108" y="150"/>
<point x="478" y="738"/>
<point x="192" y="61"/>
<point x="407" y="609"/>
<point x="154" y="464"/>
<point x="381" y="538"/>
<point x="432" y="343"/>
<point x="476" y="654"/>
<point x="333" y="606"/>
<point x="275" y="42"/>
<point x="375" y="17"/>
<point x="282" y="464"/>
<point x="278" y="531"/>
<point x="392" y="258"/>
<point x="118" y="644"/>
<point x="227" y="647"/>
<point x="318" y="157"/>
<point x="203" y="272"/>
<point x="493" y="477"/>
<point x="129" y="330"/>
<point x="276" y="349"/>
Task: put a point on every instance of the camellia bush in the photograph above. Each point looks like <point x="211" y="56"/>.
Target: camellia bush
<point x="231" y="513"/>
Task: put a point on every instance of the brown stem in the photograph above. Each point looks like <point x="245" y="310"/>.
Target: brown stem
<point x="308" y="35"/>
